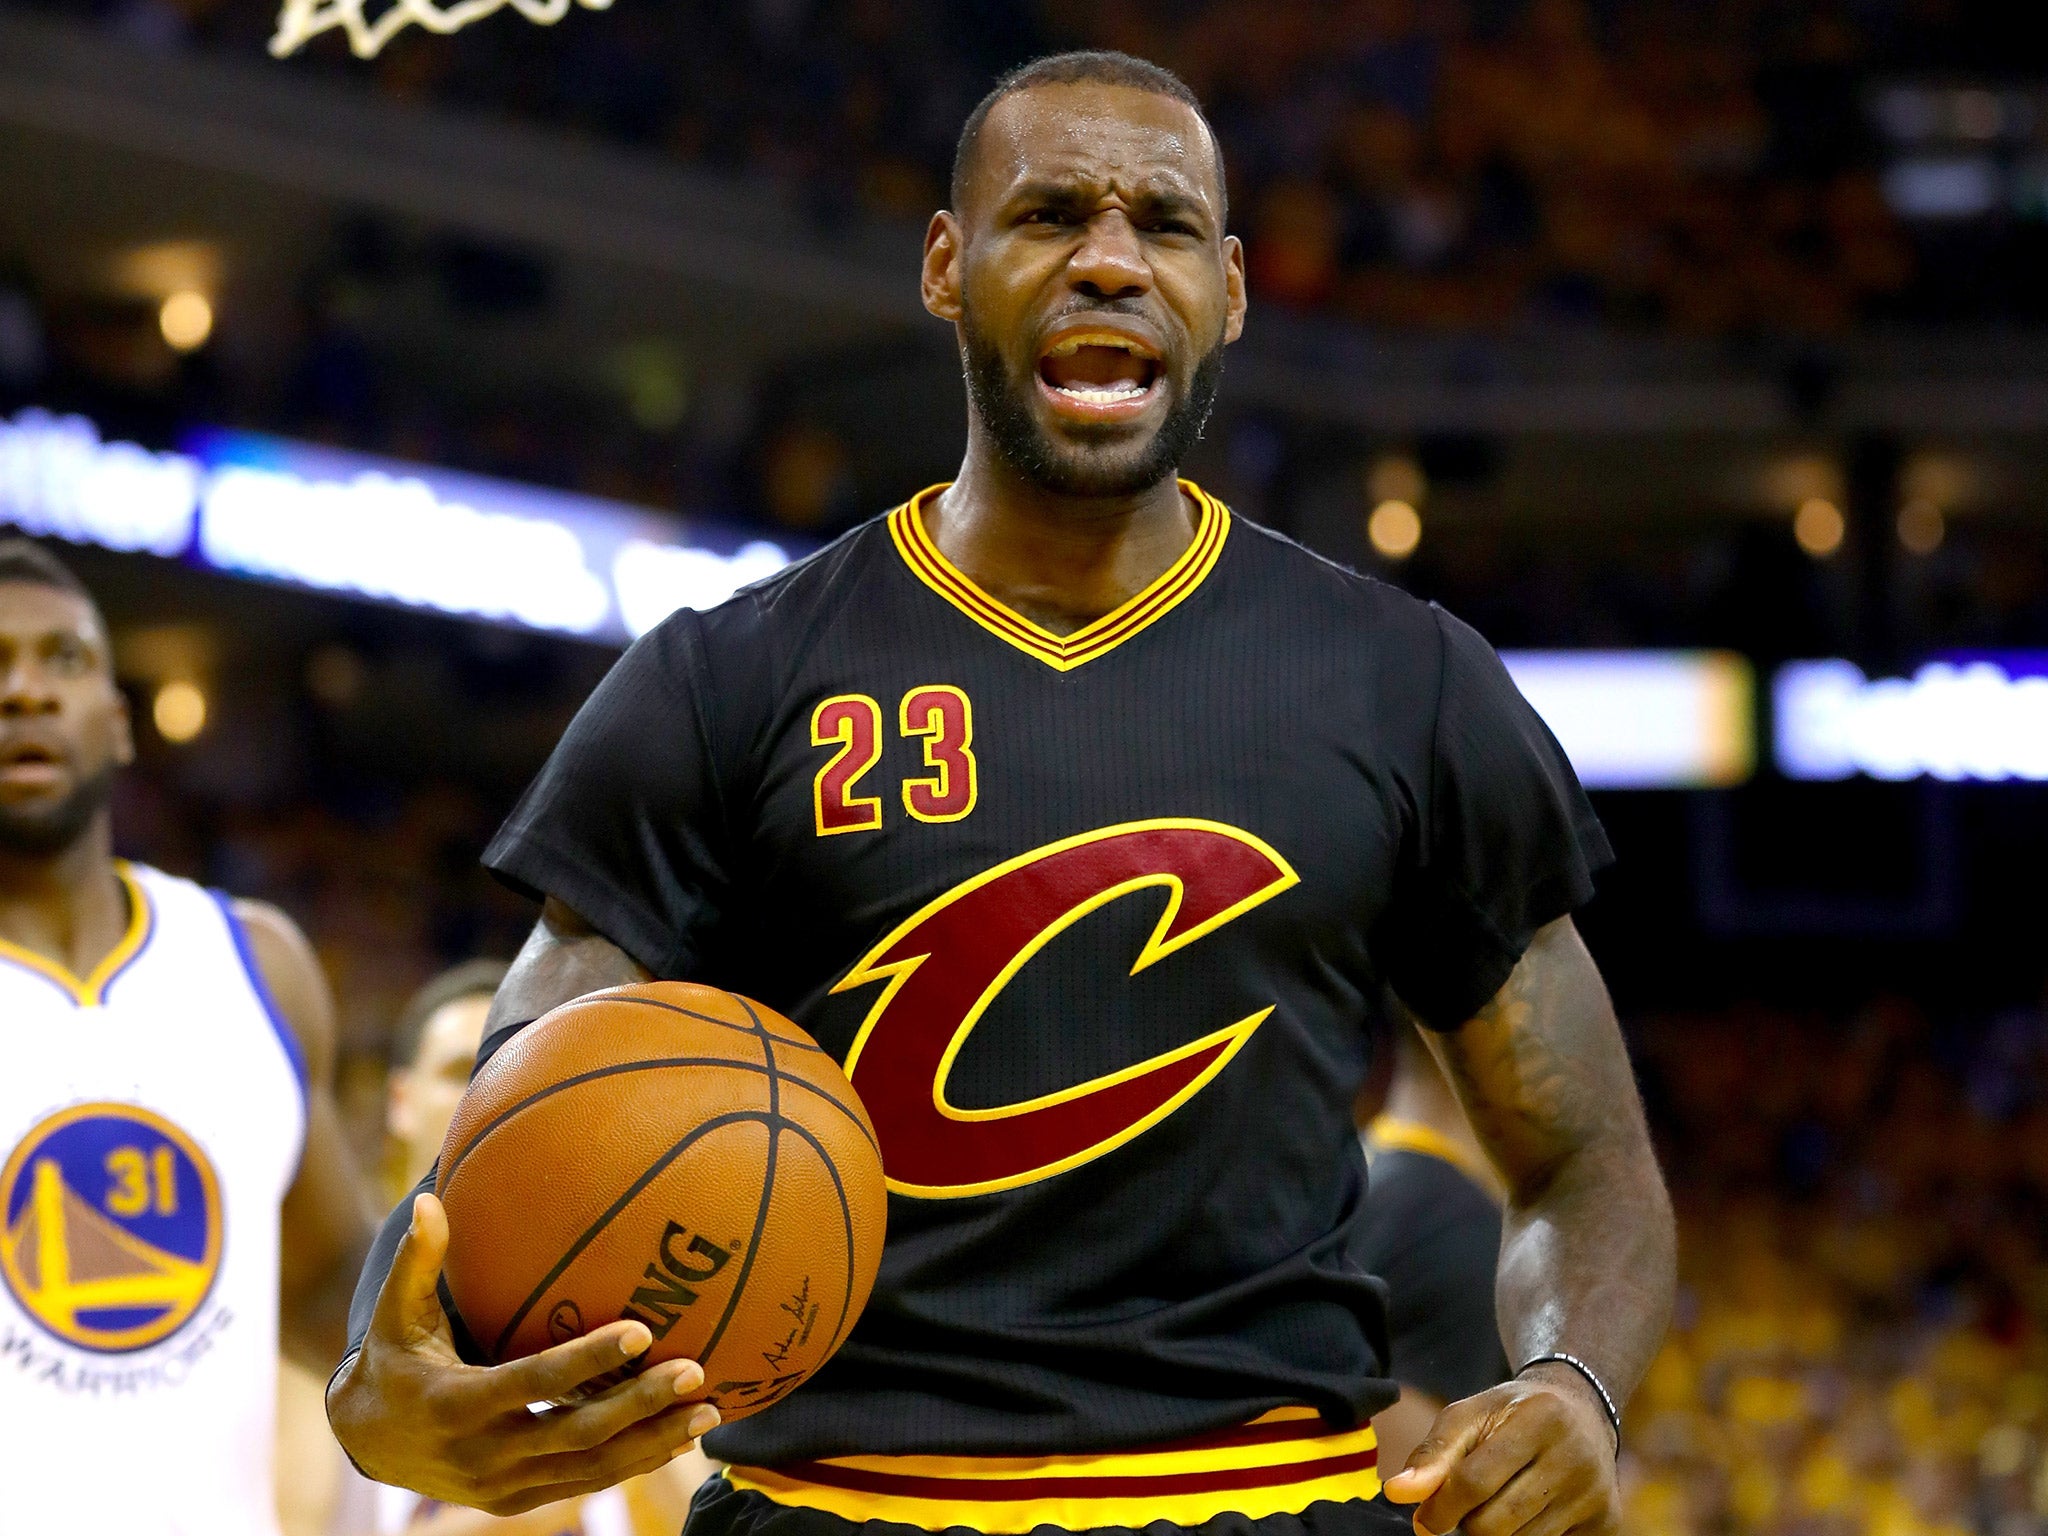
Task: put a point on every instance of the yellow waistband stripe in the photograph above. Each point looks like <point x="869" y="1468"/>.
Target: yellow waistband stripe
<point x="1386" y="1134"/>
<point x="1280" y="1463"/>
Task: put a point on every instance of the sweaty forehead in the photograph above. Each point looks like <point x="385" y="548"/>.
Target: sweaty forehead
<point x="1093" y="135"/>
<point x="29" y="608"/>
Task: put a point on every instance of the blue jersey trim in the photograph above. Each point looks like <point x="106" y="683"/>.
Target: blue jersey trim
<point x="286" y="1035"/>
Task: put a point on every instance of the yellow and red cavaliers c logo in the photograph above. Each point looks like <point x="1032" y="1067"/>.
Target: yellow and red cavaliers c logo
<point x="946" y="965"/>
<point x="113" y="1226"/>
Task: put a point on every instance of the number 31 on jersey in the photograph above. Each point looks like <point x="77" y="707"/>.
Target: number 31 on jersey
<point x="938" y="713"/>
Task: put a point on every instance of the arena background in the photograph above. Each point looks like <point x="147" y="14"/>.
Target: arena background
<point x="1679" y="346"/>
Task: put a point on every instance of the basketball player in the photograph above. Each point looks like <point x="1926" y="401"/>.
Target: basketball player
<point x="1079" y="817"/>
<point x="174" y="1185"/>
<point x="431" y="1050"/>
<point x="1431" y="1231"/>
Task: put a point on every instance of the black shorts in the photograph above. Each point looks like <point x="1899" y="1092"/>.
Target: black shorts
<point x="1284" y="1474"/>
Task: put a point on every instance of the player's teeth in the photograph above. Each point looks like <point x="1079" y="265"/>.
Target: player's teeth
<point x="1106" y="394"/>
<point x="1072" y="344"/>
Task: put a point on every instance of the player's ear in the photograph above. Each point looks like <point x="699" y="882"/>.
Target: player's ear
<point x="124" y="731"/>
<point x="1236" y="297"/>
<point x="940" y="286"/>
<point x="401" y="1112"/>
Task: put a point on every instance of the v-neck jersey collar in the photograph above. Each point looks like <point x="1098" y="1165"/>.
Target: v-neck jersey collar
<point x="1063" y="653"/>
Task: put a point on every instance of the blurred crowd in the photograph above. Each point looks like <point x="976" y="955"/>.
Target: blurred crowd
<point x="1862" y="1340"/>
<point x="1706" y="168"/>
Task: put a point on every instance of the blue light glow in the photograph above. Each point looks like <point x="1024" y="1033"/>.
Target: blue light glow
<point x="464" y="545"/>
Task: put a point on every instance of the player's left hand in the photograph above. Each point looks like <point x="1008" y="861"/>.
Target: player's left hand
<point x="1534" y="1456"/>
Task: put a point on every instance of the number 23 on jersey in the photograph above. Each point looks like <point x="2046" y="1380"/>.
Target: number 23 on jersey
<point x="851" y="723"/>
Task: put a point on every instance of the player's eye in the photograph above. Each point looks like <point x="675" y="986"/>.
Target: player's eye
<point x="1058" y="217"/>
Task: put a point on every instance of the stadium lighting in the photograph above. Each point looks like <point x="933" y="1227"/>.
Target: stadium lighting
<point x="1819" y="527"/>
<point x="654" y="580"/>
<point x="391" y="537"/>
<point x="186" y="320"/>
<point x="1395" y="529"/>
<point x="1921" y="527"/>
<point x="179" y="711"/>
<point x="1397" y="477"/>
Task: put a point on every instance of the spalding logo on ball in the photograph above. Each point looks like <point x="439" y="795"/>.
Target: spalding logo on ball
<point x="675" y="1155"/>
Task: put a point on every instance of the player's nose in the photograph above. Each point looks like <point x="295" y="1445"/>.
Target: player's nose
<point x="25" y="690"/>
<point x="1110" y="261"/>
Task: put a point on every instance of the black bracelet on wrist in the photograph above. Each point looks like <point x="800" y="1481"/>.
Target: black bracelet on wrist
<point x="1585" y="1370"/>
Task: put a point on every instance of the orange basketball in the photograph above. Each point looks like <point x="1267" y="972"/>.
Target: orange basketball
<point x="675" y="1154"/>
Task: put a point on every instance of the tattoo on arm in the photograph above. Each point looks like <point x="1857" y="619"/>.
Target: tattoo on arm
<point x="1586" y="1260"/>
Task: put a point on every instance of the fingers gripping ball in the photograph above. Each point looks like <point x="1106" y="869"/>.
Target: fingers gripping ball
<point x="672" y="1154"/>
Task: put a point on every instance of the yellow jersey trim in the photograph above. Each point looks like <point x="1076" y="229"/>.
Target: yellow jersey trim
<point x="1280" y="1463"/>
<point x="1062" y="653"/>
<point x="1386" y="1134"/>
<point x="90" y="990"/>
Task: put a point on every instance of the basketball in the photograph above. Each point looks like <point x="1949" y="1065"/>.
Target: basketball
<point x="673" y="1154"/>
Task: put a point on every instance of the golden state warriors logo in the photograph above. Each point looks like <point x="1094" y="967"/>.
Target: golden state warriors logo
<point x="113" y="1226"/>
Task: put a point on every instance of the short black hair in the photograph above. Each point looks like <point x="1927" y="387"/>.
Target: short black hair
<point x="26" y="561"/>
<point x="472" y="978"/>
<point x="1088" y="66"/>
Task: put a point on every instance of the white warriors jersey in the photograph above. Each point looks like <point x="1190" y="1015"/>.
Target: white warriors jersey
<point x="151" y="1118"/>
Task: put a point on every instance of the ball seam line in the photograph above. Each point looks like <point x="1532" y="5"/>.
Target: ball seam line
<point x="652" y="1064"/>
<point x="774" y="1123"/>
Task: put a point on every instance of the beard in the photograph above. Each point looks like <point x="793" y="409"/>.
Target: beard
<point x="1110" y="469"/>
<point x="48" y="830"/>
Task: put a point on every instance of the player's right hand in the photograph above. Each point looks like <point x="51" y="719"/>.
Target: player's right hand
<point x="411" y="1412"/>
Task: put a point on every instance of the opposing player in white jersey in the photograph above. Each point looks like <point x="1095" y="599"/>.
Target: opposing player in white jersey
<point x="174" y="1185"/>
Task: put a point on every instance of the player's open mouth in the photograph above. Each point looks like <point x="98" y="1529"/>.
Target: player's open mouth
<point x="26" y="765"/>
<point x="1099" y="375"/>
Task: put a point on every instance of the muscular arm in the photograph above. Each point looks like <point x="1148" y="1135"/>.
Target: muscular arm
<point x="563" y="958"/>
<point x="1587" y="1246"/>
<point x="1587" y="1253"/>
<point x="325" y="1226"/>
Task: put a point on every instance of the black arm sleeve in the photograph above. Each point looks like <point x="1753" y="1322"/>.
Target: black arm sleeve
<point x="626" y="823"/>
<point x="383" y="1253"/>
<point x="377" y="1267"/>
<point x="1505" y="841"/>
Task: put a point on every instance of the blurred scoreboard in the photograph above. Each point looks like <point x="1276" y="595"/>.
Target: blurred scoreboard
<point x="465" y="545"/>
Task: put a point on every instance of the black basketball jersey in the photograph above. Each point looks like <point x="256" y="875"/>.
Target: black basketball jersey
<point x="1092" y="920"/>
